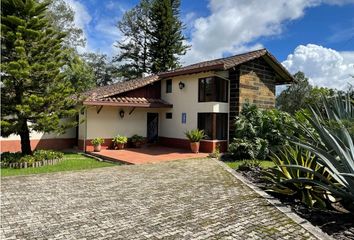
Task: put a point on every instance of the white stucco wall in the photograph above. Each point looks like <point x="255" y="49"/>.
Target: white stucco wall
<point x="108" y="124"/>
<point x="186" y="101"/>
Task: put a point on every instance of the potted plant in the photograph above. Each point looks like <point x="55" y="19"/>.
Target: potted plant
<point x="119" y="141"/>
<point x="137" y="140"/>
<point x="194" y="137"/>
<point x="97" y="142"/>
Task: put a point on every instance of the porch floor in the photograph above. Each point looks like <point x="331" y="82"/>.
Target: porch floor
<point x="147" y="154"/>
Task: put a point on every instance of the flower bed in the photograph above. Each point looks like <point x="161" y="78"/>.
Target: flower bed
<point x="38" y="159"/>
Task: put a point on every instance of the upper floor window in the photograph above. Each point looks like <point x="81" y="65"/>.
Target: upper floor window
<point x="168" y="85"/>
<point x="213" y="89"/>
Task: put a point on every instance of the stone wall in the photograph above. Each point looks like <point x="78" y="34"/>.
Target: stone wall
<point x="257" y="84"/>
<point x="252" y="82"/>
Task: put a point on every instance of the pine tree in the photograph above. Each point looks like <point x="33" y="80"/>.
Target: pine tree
<point x="105" y="72"/>
<point x="61" y="16"/>
<point x="167" y="40"/>
<point x="34" y="91"/>
<point x="134" y="48"/>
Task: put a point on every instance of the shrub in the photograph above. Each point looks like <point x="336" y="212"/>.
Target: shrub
<point x="41" y="155"/>
<point x="195" y="135"/>
<point x="247" y="165"/>
<point x="8" y="157"/>
<point x="38" y="155"/>
<point x="120" y="139"/>
<point x="97" y="141"/>
<point x="256" y="148"/>
<point x="257" y="132"/>
<point x="137" y="138"/>
<point x="216" y="154"/>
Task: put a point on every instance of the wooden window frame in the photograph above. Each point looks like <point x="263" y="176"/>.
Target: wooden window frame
<point x="216" y="97"/>
<point x="214" y="126"/>
<point x="168" y="83"/>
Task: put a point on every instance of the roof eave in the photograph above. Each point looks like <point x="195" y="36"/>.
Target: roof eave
<point x="118" y="104"/>
<point x="286" y="77"/>
<point x="219" y="66"/>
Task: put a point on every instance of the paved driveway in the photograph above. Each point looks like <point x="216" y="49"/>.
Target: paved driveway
<point x="189" y="199"/>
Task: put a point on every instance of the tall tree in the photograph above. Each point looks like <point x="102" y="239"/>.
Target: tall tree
<point x="167" y="40"/>
<point x="300" y="94"/>
<point x="293" y="97"/>
<point x="80" y="75"/>
<point x="62" y="17"/>
<point x="34" y="91"/>
<point x="134" y="47"/>
<point x="104" y="71"/>
<point x="153" y="41"/>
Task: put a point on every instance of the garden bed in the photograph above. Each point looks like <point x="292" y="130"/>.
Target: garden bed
<point x="31" y="164"/>
<point x="339" y="225"/>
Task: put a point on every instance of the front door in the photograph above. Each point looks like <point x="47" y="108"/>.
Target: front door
<point x="152" y="127"/>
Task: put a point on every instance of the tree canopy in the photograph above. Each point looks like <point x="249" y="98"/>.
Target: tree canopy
<point x="153" y="38"/>
<point x="35" y="93"/>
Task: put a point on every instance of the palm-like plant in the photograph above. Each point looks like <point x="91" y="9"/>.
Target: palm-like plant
<point x="333" y="147"/>
<point x="296" y="173"/>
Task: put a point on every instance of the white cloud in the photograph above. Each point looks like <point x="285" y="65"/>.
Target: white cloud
<point x="82" y="16"/>
<point x="82" y="20"/>
<point x="323" y="66"/>
<point x="233" y="25"/>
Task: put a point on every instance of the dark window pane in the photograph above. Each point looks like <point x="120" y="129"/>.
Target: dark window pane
<point x="168" y="85"/>
<point x="221" y="126"/>
<point x="205" y="123"/>
<point x="214" y="125"/>
<point x="213" y="89"/>
<point x="169" y="115"/>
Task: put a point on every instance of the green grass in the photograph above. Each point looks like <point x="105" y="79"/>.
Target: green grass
<point x="71" y="162"/>
<point x="263" y="164"/>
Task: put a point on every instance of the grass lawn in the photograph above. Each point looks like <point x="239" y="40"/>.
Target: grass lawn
<point x="263" y="164"/>
<point x="72" y="161"/>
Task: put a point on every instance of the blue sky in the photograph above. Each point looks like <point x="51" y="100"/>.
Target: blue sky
<point x="315" y="36"/>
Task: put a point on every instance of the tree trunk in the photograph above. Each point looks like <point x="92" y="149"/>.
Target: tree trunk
<point x="25" y="138"/>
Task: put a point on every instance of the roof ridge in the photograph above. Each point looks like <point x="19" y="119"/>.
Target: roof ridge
<point x="224" y="58"/>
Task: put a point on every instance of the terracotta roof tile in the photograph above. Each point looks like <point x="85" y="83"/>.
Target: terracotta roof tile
<point x="120" y="87"/>
<point x="217" y="64"/>
<point x="128" y="101"/>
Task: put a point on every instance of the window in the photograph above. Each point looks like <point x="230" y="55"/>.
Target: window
<point x="169" y="115"/>
<point x="213" y="89"/>
<point x="168" y="85"/>
<point x="214" y="125"/>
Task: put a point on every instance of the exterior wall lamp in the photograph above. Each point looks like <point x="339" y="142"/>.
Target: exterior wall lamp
<point x="121" y="113"/>
<point x="181" y="85"/>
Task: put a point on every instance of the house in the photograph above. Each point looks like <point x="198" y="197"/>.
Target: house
<point x="206" y="95"/>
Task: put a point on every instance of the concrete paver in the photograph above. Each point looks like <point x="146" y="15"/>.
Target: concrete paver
<point x="188" y="199"/>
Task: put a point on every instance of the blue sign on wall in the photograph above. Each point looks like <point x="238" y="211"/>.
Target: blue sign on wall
<point x="184" y="118"/>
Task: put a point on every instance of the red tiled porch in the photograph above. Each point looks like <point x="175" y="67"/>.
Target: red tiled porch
<point x="148" y="154"/>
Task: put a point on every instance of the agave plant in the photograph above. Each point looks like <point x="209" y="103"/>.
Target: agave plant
<point x="333" y="147"/>
<point x="296" y="173"/>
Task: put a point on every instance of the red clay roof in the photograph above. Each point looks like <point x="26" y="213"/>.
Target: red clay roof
<point x="213" y="65"/>
<point x="216" y="64"/>
<point x="128" y="102"/>
<point x="120" y="87"/>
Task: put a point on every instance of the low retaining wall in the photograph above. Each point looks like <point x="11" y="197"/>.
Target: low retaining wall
<point x="51" y="143"/>
<point x="33" y="165"/>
